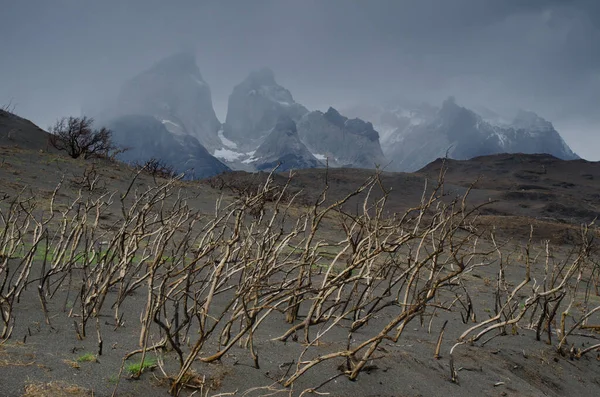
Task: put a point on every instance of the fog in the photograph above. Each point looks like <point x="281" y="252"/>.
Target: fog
<point x="58" y="56"/>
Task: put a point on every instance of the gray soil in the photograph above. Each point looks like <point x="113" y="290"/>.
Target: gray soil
<point x="511" y="364"/>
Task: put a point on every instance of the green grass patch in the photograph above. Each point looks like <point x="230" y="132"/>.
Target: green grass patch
<point x="134" y="368"/>
<point x="86" y="358"/>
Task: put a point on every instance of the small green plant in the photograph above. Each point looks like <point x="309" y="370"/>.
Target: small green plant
<point x="86" y="358"/>
<point x="135" y="368"/>
<point x="113" y="379"/>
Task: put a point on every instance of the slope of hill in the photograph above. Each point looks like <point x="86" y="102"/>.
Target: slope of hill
<point x="17" y="131"/>
<point x="48" y="353"/>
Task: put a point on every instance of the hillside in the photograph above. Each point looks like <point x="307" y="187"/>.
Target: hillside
<point x="115" y="260"/>
<point x="17" y="131"/>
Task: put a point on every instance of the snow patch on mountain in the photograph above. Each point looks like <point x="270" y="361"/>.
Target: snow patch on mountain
<point x="173" y="127"/>
<point x="169" y="122"/>
<point x="198" y="81"/>
<point x="227" y="154"/>
<point x="228" y="143"/>
<point x="251" y="157"/>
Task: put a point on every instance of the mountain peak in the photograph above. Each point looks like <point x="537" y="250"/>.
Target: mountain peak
<point x="255" y="106"/>
<point x="179" y="63"/>
<point x="529" y="119"/>
<point x="283" y="148"/>
<point x="334" y="117"/>
<point x="286" y="124"/>
<point x="452" y="113"/>
<point x="174" y="93"/>
<point x="449" y="106"/>
<point x="262" y="77"/>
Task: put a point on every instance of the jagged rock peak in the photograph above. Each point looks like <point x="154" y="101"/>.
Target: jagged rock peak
<point x="364" y="128"/>
<point x="287" y="125"/>
<point x="529" y="119"/>
<point x="453" y="113"/>
<point x="262" y="82"/>
<point x="173" y="92"/>
<point x="264" y="76"/>
<point x="255" y="106"/>
<point x="451" y="108"/>
<point x="284" y="147"/>
<point x="353" y="126"/>
<point x="334" y="117"/>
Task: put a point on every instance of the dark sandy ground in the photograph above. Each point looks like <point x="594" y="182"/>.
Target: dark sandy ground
<point x="508" y="365"/>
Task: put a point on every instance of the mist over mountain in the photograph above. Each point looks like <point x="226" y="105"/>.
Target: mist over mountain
<point x="416" y="134"/>
<point x="255" y="106"/>
<point x="165" y="112"/>
<point x="265" y="126"/>
<point x="540" y="55"/>
<point x="174" y="92"/>
<point x="270" y="196"/>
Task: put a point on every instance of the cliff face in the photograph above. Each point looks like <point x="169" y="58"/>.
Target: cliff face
<point x="148" y="138"/>
<point x="255" y="106"/>
<point x="343" y="141"/>
<point x="173" y="92"/>
<point x="283" y="147"/>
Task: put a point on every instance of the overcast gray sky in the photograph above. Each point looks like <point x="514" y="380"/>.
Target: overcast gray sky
<point x="542" y="55"/>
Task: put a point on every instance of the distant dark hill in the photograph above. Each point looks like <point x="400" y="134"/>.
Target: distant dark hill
<point x="518" y="190"/>
<point x="505" y="171"/>
<point x="17" y="131"/>
<point x="536" y="185"/>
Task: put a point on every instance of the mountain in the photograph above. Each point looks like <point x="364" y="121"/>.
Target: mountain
<point x="148" y="138"/>
<point x="424" y="134"/>
<point x="394" y="118"/>
<point x="344" y="142"/>
<point x="258" y="103"/>
<point x="254" y="107"/>
<point x="173" y="92"/>
<point x="283" y="146"/>
<point x="529" y="133"/>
